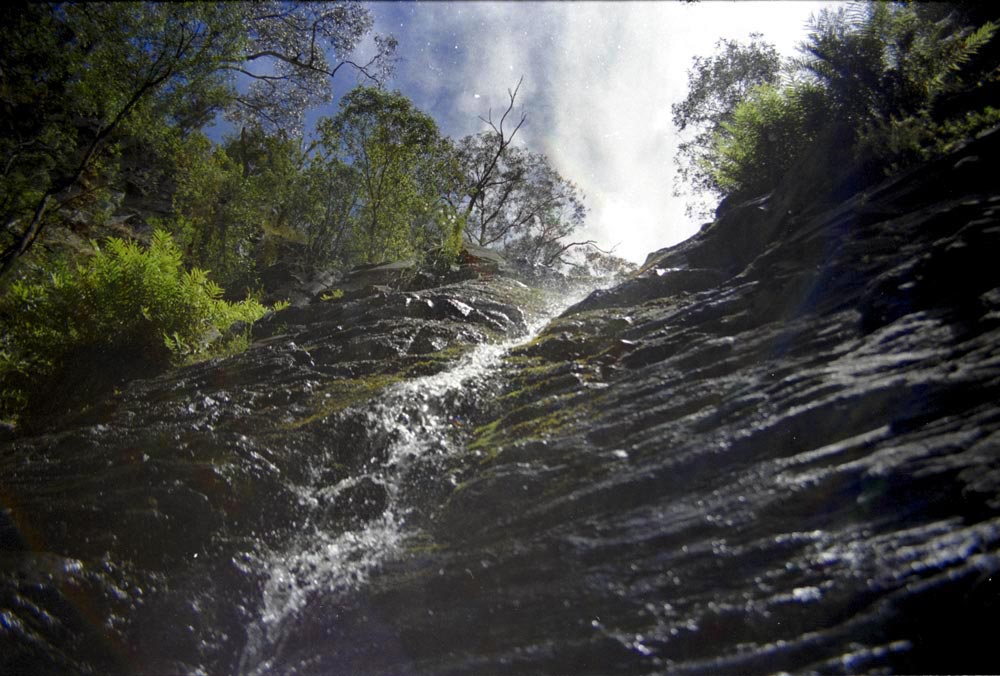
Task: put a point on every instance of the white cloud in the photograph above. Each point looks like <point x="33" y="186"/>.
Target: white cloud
<point x="599" y="79"/>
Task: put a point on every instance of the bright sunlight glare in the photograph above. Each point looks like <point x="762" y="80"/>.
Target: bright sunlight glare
<point x="599" y="80"/>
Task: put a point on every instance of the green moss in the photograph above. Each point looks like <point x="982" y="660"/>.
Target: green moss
<point x="546" y="382"/>
<point x="532" y="301"/>
<point x="537" y="421"/>
<point x="485" y="437"/>
<point x="545" y="397"/>
<point x="434" y="362"/>
<point x="342" y="393"/>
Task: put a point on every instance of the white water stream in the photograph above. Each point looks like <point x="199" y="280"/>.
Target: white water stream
<point x="414" y="416"/>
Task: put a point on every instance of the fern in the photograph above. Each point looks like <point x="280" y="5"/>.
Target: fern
<point x="126" y="298"/>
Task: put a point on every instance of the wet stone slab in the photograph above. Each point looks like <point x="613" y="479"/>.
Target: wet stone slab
<point x="776" y="456"/>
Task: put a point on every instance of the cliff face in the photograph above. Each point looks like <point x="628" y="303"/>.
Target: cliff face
<point x="774" y="449"/>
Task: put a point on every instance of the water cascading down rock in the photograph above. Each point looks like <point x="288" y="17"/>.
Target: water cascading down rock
<point x="774" y="449"/>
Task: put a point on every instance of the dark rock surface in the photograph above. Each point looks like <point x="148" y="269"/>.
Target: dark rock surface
<point x="778" y="456"/>
<point x="774" y="449"/>
<point x="781" y="455"/>
<point x="128" y="533"/>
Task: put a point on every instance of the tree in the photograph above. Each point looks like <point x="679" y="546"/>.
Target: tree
<point x="885" y="65"/>
<point x="481" y="158"/>
<point x="514" y="199"/>
<point x="526" y="207"/>
<point x="862" y="101"/>
<point x="286" y="54"/>
<point x="540" y="242"/>
<point x="768" y="133"/>
<point x="606" y="264"/>
<point x="335" y="187"/>
<point x="402" y="164"/>
<point x="232" y="200"/>
<point x="495" y="175"/>
<point x="716" y="85"/>
<point x="108" y="70"/>
<point x="117" y="59"/>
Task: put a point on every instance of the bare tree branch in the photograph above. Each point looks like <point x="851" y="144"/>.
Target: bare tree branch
<point x="503" y="142"/>
<point x="558" y="254"/>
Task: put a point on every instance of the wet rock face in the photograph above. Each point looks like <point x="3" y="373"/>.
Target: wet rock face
<point x="790" y="467"/>
<point x="129" y="533"/>
<point x="776" y="458"/>
<point x="774" y="449"/>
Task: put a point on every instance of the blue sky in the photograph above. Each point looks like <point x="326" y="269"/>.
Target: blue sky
<point x="599" y="79"/>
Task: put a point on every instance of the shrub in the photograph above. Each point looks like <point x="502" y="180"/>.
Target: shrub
<point x="769" y="132"/>
<point x="887" y="67"/>
<point x="125" y="302"/>
<point x="879" y="86"/>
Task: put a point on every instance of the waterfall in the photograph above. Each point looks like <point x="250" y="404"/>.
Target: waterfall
<point x="415" y="418"/>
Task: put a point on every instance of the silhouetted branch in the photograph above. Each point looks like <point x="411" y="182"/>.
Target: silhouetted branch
<point x="558" y="254"/>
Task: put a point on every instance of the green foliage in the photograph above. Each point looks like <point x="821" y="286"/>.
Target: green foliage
<point x="79" y="79"/>
<point x="770" y="131"/>
<point x="452" y="226"/>
<point x="99" y="69"/>
<point x="140" y="302"/>
<point x="234" y="202"/>
<point x="334" y="190"/>
<point x="218" y="213"/>
<point x="885" y="66"/>
<point x="37" y="137"/>
<point x="884" y="59"/>
<point x="717" y="84"/>
<point x="880" y="85"/>
<point x="402" y="165"/>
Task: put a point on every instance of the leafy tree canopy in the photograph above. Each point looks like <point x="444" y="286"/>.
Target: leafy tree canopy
<point x="404" y="167"/>
<point x="107" y="71"/>
<point x="716" y="85"/>
<point x="879" y="85"/>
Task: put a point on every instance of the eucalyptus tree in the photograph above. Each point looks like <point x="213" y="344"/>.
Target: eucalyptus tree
<point x="716" y="85"/>
<point x="77" y="78"/>
<point x="291" y="51"/>
<point x="232" y="201"/>
<point x="556" y="211"/>
<point x="335" y="192"/>
<point x="495" y="175"/>
<point x="525" y="207"/>
<point x="404" y="169"/>
<point x="482" y="158"/>
<point x="514" y="199"/>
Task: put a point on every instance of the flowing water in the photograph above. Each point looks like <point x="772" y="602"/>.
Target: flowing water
<point x="791" y="467"/>
<point x="419" y="428"/>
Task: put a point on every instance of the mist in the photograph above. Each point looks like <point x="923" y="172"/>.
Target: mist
<point x="598" y="82"/>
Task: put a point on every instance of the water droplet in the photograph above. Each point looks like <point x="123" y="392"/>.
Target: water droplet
<point x="806" y="594"/>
